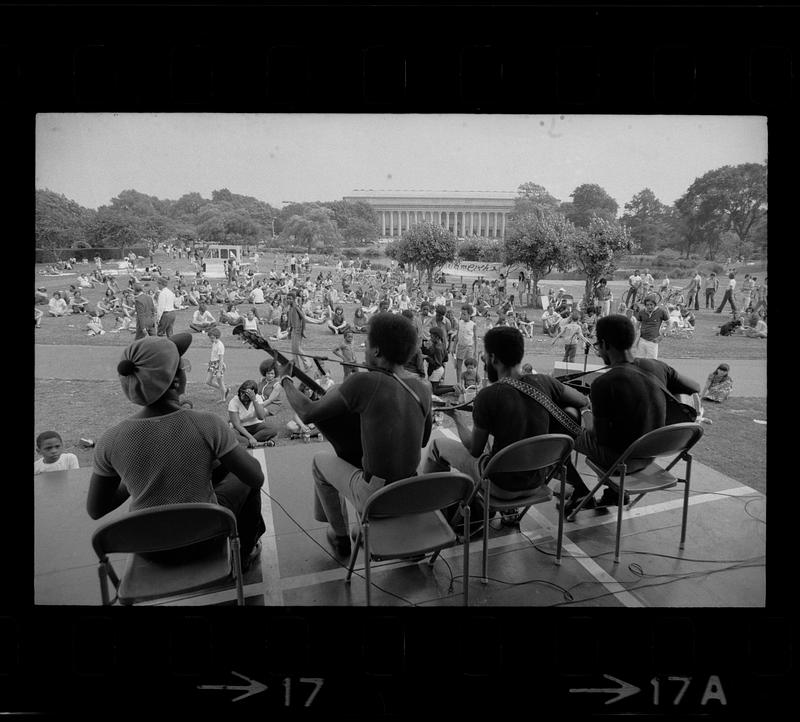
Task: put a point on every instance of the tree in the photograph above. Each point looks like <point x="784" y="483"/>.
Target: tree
<point x="187" y="207"/>
<point x="531" y="197"/>
<point x="316" y="227"/>
<point x="731" y="198"/>
<point x="60" y="222"/>
<point x="356" y="221"/>
<point x="647" y="220"/>
<point x="426" y="245"/>
<point x="596" y="248"/>
<point x="116" y="228"/>
<point x="476" y="248"/>
<point x="540" y="241"/>
<point x="589" y="201"/>
<point x="135" y="203"/>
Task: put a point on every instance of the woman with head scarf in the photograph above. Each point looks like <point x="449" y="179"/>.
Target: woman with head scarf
<point x="168" y="454"/>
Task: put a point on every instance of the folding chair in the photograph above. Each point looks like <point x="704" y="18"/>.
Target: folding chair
<point x="163" y="528"/>
<point x="527" y="455"/>
<point x="403" y="519"/>
<point x="674" y="439"/>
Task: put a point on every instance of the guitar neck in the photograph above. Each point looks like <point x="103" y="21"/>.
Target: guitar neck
<point x="259" y="342"/>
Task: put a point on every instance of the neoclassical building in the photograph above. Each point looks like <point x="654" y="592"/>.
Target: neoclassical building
<point x="465" y="213"/>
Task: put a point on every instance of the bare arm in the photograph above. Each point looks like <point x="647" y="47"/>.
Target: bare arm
<point x="106" y="493"/>
<point x="245" y="467"/>
<point x="329" y="406"/>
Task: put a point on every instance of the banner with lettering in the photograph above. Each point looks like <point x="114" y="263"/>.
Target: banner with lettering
<point x="472" y="268"/>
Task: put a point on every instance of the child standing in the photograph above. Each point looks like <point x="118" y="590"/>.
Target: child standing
<point x="572" y="332"/>
<point x="345" y="352"/>
<point x="49" y="445"/>
<point x="216" y="365"/>
<point x="466" y="342"/>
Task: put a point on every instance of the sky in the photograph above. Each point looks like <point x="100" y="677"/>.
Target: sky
<point x="278" y="158"/>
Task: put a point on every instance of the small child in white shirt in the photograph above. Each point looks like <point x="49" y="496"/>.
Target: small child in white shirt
<point x="49" y="445"/>
<point x="216" y="365"/>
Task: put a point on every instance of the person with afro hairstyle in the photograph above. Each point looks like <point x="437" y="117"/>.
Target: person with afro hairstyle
<point x="376" y="421"/>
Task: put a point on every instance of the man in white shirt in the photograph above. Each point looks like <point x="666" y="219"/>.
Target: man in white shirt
<point x="202" y="319"/>
<point x="729" y="294"/>
<point x="165" y="309"/>
<point x="634" y="283"/>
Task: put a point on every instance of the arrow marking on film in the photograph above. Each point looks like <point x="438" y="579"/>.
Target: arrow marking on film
<point x="625" y="690"/>
<point x="253" y="687"/>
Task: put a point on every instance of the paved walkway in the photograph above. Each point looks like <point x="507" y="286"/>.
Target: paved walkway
<point x="99" y="364"/>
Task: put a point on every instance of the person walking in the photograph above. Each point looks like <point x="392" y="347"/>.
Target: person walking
<point x="165" y="309"/>
<point x="728" y="297"/>
<point x="145" y="312"/>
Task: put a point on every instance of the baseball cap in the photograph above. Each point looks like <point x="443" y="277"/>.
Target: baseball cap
<point x="148" y="366"/>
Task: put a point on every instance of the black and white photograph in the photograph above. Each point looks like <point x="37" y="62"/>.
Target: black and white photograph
<point x="400" y="360"/>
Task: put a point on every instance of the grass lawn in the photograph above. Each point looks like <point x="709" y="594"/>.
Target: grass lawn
<point x="733" y="444"/>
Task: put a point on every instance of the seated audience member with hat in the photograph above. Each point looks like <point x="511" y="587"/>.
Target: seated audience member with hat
<point x="167" y="454"/>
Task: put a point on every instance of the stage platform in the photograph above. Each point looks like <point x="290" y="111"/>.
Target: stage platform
<point x="723" y="563"/>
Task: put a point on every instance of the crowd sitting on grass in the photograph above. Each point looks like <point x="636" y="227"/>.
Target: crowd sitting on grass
<point x="262" y="305"/>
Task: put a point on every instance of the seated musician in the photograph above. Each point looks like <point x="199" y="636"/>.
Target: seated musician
<point x="381" y="452"/>
<point x="505" y="412"/>
<point x="167" y="454"/>
<point x="626" y="403"/>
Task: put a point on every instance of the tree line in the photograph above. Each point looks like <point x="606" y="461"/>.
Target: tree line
<point x="724" y="211"/>
<point x="134" y="219"/>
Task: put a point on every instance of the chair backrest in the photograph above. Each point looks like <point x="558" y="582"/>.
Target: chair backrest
<point x="672" y="439"/>
<point x="418" y="494"/>
<point x="537" y="452"/>
<point x="164" y="527"/>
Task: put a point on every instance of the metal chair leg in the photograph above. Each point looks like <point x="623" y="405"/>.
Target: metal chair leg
<point x="486" y="494"/>
<point x="620" y="505"/>
<point x="465" y="564"/>
<point x="353" y="557"/>
<point x="101" y="571"/>
<point x="236" y="553"/>
<point x="571" y="517"/>
<point x="367" y="576"/>
<point x="686" y="499"/>
<point x="560" y="540"/>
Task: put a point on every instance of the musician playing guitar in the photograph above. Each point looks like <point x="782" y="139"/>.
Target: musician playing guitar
<point x="506" y="410"/>
<point x="633" y="397"/>
<point x="392" y="408"/>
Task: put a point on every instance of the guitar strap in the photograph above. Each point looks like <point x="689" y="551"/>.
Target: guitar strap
<point x="553" y="409"/>
<point x="413" y="393"/>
